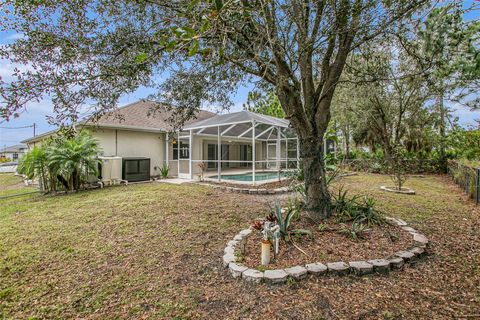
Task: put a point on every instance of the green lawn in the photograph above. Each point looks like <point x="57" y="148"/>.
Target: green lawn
<point x="11" y="184"/>
<point x="154" y="251"/>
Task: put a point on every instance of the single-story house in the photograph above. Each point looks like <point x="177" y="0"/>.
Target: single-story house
<point x="243" y="146"/>
<point x="13" y="153"/>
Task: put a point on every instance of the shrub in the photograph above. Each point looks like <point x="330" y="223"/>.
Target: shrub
<point x="284" y="218"/>
<point x="203" y="167"/>
<point x="34" y="165"/>
<point x="164" y="170"/>
<point x="397" y="168"/>
<point x="353" y="209"/>
<point x="366" y="212"/>
<point x="464" y="174"/>
<point x="5" y="159"/>
<point x="62" y="161"/>
<point x="73" y="159"/>
<point x="355" y="231"/>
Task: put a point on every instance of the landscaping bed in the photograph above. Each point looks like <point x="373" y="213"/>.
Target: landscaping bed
<point x="330" y="245"/>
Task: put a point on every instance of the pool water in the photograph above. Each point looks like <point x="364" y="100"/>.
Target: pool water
<point x="259" y="176"/>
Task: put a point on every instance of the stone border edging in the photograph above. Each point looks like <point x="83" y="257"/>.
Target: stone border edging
<point x="403" y="191"/>
<point x="340" y="268"/>
<point x="263" y="190"/>
<point x="248" y="190"/>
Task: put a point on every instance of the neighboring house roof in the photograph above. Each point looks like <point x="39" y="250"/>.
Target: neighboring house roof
<point x="134" y="116"/>
<point x="14" y="149"/>
<point x="238" y="118"/>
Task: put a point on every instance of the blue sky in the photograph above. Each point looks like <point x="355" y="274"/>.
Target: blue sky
<point x="37" y="112"/>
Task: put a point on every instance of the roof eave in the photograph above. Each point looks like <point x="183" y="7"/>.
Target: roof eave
<point x="121" y="127"/>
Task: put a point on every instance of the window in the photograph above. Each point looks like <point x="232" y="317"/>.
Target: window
<point x="184" y="150"/>
<point x="15" y="156"/>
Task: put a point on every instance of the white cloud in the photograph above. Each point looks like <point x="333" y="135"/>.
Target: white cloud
<point x="14" y="36"/>
<point x="7" y="69"/>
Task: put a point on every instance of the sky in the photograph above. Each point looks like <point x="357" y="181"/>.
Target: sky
<point x="16" y="130"/>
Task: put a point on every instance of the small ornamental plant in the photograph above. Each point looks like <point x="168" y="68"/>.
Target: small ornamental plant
<point x="202" y="166"/>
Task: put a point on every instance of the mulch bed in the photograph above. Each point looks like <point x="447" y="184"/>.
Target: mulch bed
<point x="268" y="186"/>
<point x="330" y="246"/>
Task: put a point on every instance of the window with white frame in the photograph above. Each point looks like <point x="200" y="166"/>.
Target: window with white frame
<point x="184" y="150"/>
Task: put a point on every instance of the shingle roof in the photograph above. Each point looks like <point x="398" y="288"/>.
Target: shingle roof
<point x="139" y="115"/>
<point x="238" y="117"/>
<point x="135" y="116"/>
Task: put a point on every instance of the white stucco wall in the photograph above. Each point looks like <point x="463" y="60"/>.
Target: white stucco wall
<point x="127" y="143"/>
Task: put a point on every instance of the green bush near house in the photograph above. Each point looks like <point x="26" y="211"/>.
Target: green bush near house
<point x="4" y="160"/>
<point x="62" y="162"/>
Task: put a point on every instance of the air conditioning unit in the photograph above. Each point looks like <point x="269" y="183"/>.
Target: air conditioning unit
<point x="110" y="169"/>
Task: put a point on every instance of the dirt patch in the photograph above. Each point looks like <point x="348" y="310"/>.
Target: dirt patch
<point x="330" y="246"/>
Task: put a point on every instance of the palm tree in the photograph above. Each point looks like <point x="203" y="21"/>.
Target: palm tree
<point x="34" y="165"/>
<point x="74" y="158"/>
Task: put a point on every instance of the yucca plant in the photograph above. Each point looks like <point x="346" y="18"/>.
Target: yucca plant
<point x="284" y="220"/>
<point x="343" y="205"/>
<point x="164" y="170"/>
<point x="356" y="231"/>
<point x="367" y="213"/>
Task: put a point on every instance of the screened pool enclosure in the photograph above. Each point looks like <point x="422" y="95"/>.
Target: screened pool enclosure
<point x="244" y="147"/>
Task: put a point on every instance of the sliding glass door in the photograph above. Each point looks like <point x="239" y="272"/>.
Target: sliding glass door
<point x="213" y="152"/>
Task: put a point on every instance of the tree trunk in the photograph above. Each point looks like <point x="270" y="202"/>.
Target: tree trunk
<point x="316" y="190"/>
<point x="442" y="154"/>
<point x="64" y="182"/>
<point x="387" y="150"/>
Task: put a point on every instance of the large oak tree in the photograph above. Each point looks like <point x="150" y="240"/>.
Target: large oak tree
<point x="92" y="52"/>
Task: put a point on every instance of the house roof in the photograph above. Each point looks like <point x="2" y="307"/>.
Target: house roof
<point x="134" y="116"/>
<point x="145" y="115"/>
<point x="15" y="148"/>
<point x="238" y="118"/>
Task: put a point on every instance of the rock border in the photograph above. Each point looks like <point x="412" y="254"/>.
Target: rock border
<point x="403" y="191"/>
<point x="262" y="190"/>
<point x="248" y="190"/>
<point x="359" y="268"/>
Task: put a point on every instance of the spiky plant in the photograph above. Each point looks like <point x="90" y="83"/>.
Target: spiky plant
<point x="284" y="219"/>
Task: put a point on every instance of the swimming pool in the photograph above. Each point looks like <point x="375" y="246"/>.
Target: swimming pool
<point x="259" y="176"/>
